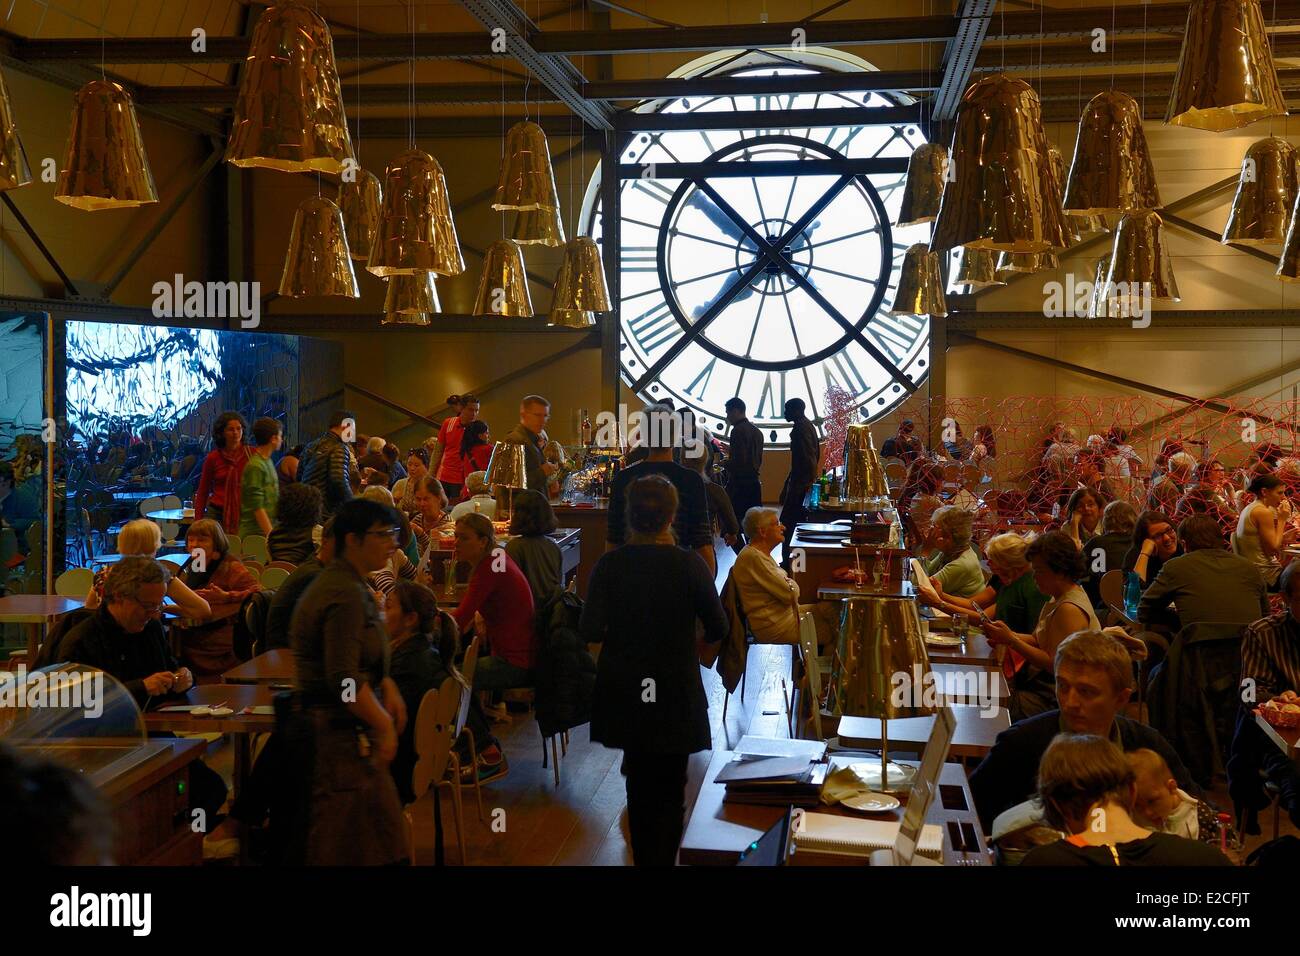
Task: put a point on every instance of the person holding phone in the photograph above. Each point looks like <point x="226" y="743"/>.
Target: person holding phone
<point x="1011" y="595"/>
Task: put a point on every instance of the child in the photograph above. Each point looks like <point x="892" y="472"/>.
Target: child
<point x="1161" y="806"/>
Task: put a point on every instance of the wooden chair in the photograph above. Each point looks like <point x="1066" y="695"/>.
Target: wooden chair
<point x="434" y="725"/>
<point x="1112" y="592"/>
<point x="285" y="565"/>
<point x="469" y="664"/>
<point x="813" y="667"/>
<point x="254" y="546"/>
<point x="74" y="582"/>
<point x="236" y="545"/>
<point x="273" y="577"/>
<point x="256" y="568"/>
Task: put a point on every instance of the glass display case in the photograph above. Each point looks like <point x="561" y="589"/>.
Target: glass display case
<point x="77" y="716"/>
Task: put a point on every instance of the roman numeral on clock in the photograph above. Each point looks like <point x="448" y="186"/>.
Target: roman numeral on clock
<point x="654" y="327"/>
<point x="771" y="400"/>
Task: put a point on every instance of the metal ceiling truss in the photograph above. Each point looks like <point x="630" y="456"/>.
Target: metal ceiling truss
<point x="959" y="58"/>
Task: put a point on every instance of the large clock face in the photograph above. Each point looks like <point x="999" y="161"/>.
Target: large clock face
<point x="737" y="282"/>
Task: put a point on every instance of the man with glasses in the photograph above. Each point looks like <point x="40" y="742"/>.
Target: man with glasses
<point x="534" y="413"/>
<point x="124" y="638"/>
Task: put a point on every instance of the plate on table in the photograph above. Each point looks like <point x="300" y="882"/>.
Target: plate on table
<point x="871" y="802"/>
<point x="944" y="640"/>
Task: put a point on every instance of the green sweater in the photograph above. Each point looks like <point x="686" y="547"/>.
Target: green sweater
<point x="260" y="488"/>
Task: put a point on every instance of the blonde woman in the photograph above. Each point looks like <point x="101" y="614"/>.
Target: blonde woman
<point x="143" y="538"/>
<point x="1011" y="596"/>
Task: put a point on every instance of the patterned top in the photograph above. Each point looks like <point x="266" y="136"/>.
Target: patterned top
<point x="1270" y="655"/>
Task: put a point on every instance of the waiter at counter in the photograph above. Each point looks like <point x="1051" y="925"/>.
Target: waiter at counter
<point x="534" y="413"/>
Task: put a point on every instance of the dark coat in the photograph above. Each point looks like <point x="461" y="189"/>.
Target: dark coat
<point x="566" y="672"/>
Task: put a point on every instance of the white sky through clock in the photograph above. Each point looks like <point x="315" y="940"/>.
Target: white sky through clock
<point x="685" y="246"/>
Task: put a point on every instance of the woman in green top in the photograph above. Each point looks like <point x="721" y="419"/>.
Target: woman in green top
<point x="1012" y="596"/>
<point x="259" y="488"/>
<point x="954" y="567"/>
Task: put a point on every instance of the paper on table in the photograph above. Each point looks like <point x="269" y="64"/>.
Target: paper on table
<point x="178" y="707"/>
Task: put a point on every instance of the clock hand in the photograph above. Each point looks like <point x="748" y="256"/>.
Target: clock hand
<point x="721" y="221"/>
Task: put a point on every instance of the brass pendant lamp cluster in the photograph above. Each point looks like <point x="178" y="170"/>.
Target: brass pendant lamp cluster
<point x="411" y="299"/>
<point x="978" y="269"/>
<point x="1226" y="76"/>
<point x="360" y="199"/>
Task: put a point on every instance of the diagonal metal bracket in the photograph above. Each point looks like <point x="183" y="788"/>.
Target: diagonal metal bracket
<point x="556" y="72"/>
<point x="959" y="58"/>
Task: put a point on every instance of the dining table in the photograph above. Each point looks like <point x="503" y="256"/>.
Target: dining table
<point x="36" y="611"/>
<point x="272" y="667"/>
<point x="976" y="730"/>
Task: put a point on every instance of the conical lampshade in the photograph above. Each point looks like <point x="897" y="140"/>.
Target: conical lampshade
<point x="1004" y="196"/>
<point x="508" y="466"/>
<point x="1266" y="191"/>
<point x="562" y="292"/>
<point x="1226" y="77"/>
<point x="538" y="227"/>
<point x="1139" y="270"/>
<point x="503" y="288"/>
<point x="411" y="300"/>
<point x="1112" y="169"/>
<point x="1099" y="304"/>
<point x="978" y="269"/>
<point x="416" y="232"/>
<point x="360" y="201"/>
<point x="1010" y="263"/>
<point x="582" y="287"/>
<point x="317" y="263"/>
<point x="864" y="475"/>
<point x="289" y="109"/>
<point x="106" y="166"/>
<point x="527" y="180"/>
<point x="14" y="171"/>
<point x="920" y="285"/>
<point x="926" y="171"/>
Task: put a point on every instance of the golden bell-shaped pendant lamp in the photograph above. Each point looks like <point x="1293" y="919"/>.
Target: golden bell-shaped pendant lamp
<point x="1226" y="76"/>
<point x="538" y="227"/>
<point x="1139" y="270"/>
<point x="1011" y="263"/>
<point x="527" y="180"/>
<point x="318" y="263"/>
<point x="289" y="109"/>
<point x="926" y="171"/>
<point x="416" y="232"/>
<point x="920" y="284"/>
<point x="361" y="199"/>
<point x="106" y="166"/>
<point x="1099" y="304"/>
<point x="580" y="291"/>
<point x="1112" y="170"/>
<point x="978" y="269"/>
<point x="503" y="287"/>
<point x="1003" y="195"/>
<point x="14" y="171"/>
<point x="1266" y="191"/>
<point x="411" y="299"/>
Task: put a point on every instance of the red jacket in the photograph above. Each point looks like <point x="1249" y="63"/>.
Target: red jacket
<point x="499" y="591"/>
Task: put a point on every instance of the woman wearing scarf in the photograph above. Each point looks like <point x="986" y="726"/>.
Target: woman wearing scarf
<point x="217" y="496"/>
<point x="212" y="573"/>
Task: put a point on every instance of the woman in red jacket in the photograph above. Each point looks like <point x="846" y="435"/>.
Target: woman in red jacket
<point x="447" y="465"/>
<point x="217" y="496"/>
<point x="475" y="450"/>
<point x="498" y="605"/>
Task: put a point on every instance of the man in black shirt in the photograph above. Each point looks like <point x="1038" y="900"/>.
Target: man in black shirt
<point x="280" y="613"/>
<point x="805" y="456"/>
<point x="534" y="413"/>
<point x="661" y="433"/>
<point x="328" y="464"/>
<point x="1094" y="678"/>
<point x="744" y="461"/>
<point x="905" y="445"/>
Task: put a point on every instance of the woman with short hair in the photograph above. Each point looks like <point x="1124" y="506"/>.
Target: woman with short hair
<point x="531" y="547"/>
<point x="643" y="601"/>
<point x="220" y="578"/>
<point x="142" y="538"/>
<point x="1058" y="565"/>
<point x="1087" y="790"/>
<point x="1082" y="517"/>
<point x="217" y="496"/>
<point x="1011" y="596"/>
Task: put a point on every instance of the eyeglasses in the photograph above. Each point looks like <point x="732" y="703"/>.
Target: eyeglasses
<point x="387" y="533"/>
<point x="151" y="608"/>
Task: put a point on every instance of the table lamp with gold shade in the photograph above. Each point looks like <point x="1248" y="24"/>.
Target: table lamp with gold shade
<point x="508" y="468"/>
<point x="882" y="671"/>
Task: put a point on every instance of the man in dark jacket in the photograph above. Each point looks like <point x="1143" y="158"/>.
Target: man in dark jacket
<point x="124" y="638"/>
<point x="1207" y="582"/>
<point x="1094" y="678"/>
<point x="744" y="461"/>
<point x="534" y="413"/>
<point x="328" y="463"/>
<point x="805" y="456"/>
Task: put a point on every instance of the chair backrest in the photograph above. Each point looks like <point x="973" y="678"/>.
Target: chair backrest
<point x="470" y="662"/>
<point x="150" y="505"/>
<point x="256" y="567"/>
<point x="74" y="582"/>
<point x="273" y="577"/>
<point x="813" y="674"/>
<point x="1112" y="589"/>
<point x="236" y="545"/>
<point x="171" y="502"/>
<point x="286" y="565"/>
<point x="433" y="734"/>
<point x="254" y="546"/>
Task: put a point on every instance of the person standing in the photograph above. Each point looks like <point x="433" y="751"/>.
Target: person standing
<point x="328" y="463"/>
<point x="350" y="710"/>
<point x="217" y="496"/>
<point x="447" y="464"/>
<point x="805" y="459"/>
<point x="745" y="460"/>
<point x="260" y="486"/>
<point x="691" y="523"/>
<point x="643" y="604"/>
<point x="534" y="413"/>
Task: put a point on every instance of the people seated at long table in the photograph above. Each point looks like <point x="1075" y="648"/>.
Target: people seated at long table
<point x="143" y="538"/>
<point x="769" y="596"/>
<point x="1011" y="596"/>
<point x="1205" y="583"/>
